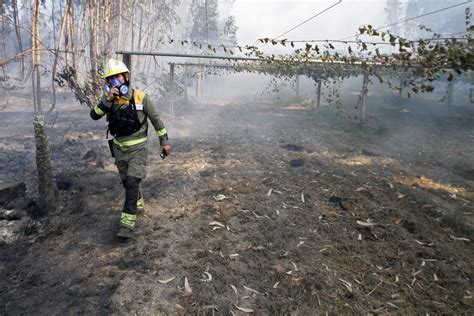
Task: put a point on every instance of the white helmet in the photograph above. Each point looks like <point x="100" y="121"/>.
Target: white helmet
<point x="113" y="67"/>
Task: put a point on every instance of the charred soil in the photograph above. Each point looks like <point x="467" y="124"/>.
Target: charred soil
<point x="317" y="215"/>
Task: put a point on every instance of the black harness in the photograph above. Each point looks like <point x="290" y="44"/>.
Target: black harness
<point x="123" y="120"/>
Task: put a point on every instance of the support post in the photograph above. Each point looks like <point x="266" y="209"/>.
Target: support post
<point x="363" y="100"/>
<point x="297" y="87"/>
<point x="201" y="92"/>
<point x="402" y="84"/>
<point x="471" y="88"/>
<point x="127" y="60"/>
<point x="198" y="79"/>
<point x="318" y="96"/>
<point x="185" y="84"/>
<point x="449" y="93"/>
<point x="171" y="91"/>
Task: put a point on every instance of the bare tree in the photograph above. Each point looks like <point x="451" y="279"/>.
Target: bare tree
<point x="56" y="53"/>
<point x="36" y="58"/>
<point x="71" y="35"/>
<point x="16" y="19"/>
<point x="93" y="10"/>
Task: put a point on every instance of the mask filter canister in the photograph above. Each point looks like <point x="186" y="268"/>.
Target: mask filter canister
<point x="123" y="88"/>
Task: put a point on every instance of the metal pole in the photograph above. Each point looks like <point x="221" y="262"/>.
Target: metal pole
<point x="127" y="60"/>
<point x="363" y="105"/>
<point x="198" y="76"/>
<point x="186" y="84"/>
<point x="400" y="92"/>
<point x="171" y="93"/>
<point x="297" y="87"/>
<point x="188" y="55"/>
<point x="449" y="97"/>
<point x="318" y="99"/>
<point x="202" y="83"/>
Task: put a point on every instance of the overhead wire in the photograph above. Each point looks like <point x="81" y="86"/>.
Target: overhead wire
<point x="415" y="17"/>
<point x="446" y="37"/>
<point x="307" y="20"/>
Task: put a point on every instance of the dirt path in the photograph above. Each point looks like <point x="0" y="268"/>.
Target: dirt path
<point x="317" y="218"/>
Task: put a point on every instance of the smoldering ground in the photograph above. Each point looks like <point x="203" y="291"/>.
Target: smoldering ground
<point x="320" y="213"/>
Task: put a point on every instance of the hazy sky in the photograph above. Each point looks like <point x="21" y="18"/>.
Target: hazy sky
<point x="270" y="18"/>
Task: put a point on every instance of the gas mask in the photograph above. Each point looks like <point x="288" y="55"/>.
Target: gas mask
<point x="115" y="83"/>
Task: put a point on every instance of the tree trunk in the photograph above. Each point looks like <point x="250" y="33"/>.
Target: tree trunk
<point x="132" y="25"/>
<point x="56" y="53"/>
<point x="363" y="100"/>
<point x="107" y="37"/>
<point x="65" y="23"/>
<point x="119" y="16"/>
<point x="140" y="34"/>
<point x="16" y="19"/>
<point x="46" y="189"/>
<point x="72" y="36"/>
<point x="35" y="45"/>
<point x="93" y="43"/>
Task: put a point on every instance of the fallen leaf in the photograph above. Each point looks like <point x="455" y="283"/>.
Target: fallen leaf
<point x="366" y="224"/>
<point x="249" y="289"/>
<point x="243" y="309"/>
<point x="269" y="192"/>
<point x="167" y="280"/>
<point x="348" y="285"/>
<point x="215" y="223"/>
<point x="187" y="288"/>
<point x="398" y="221"/>
<point x="459" y="238"/>
<point x="294" y="265"/>
<point x="179" y="307"/>
<point x="276" y="284"/>
<point x="234" y="288"/>
<point x="219" y="197"/>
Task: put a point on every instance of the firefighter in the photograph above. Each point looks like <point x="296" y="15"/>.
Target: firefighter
<point x="128" y="111"/>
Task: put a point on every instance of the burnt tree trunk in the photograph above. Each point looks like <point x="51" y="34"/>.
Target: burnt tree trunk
<point x="46" y="189"/>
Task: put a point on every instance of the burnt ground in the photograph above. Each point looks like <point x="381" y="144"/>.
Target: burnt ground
<point x="320" y="216"/>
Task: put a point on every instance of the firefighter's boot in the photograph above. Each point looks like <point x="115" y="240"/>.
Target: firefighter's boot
<point x="125" y="232"/>
<point x="129" y="214"/>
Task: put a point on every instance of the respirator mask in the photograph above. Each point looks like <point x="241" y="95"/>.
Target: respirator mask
<point x="115" y="83"/>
